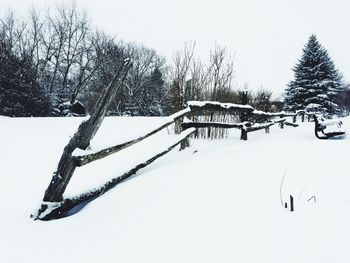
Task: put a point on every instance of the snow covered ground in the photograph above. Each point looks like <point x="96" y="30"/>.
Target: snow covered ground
<point x="217" y="201"/>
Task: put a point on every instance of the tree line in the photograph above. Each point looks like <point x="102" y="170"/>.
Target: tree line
<point x="56" y="63"/>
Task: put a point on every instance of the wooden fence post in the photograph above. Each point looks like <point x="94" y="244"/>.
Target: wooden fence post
<point x="178" y="129"/>
<point x="244" y="101"/>
<point x="291" y="203"/>
<point x="185" y="142"/>
<point x="243" y="116"/>
<point x="81" y="139"/>
<point x="209" y="128"/>
<point x="244" y="134"/>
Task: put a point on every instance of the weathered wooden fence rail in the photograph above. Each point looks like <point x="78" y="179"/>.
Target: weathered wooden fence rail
<point x="90" y="157"/>
<point x="198" y="107"/>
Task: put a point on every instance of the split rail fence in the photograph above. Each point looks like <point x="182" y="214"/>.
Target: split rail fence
<point x="55" y="205"/>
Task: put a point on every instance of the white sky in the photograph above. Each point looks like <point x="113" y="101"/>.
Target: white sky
<point x="267" y="35"/>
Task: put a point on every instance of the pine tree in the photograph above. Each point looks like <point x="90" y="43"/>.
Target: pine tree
<point x="317" y="83"/>
<point x="20" y="93"/>
<point x="153" y="94"/>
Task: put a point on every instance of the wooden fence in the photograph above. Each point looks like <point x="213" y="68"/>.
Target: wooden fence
<point x="246" y="113"/>
<point x="54" y="204"/>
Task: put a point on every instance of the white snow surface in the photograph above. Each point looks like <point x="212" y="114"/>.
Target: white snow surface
<point x="217" y="201"/>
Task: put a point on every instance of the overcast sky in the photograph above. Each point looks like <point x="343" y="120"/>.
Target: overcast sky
<point x="267" y="36"/>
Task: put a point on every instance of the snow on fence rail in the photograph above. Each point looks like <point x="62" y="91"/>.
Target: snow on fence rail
<point x="55" y="210"/>
<point x="55" y="206"/>
<point x="198" y="107"/>
<point x="82" y="159"/>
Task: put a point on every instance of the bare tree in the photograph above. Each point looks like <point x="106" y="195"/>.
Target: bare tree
<point x="220" y="73"/>
<point x="76" y="27"/>
<point x="61" y="47"/>
<point x="145" y="61"/>
<point x="33" y="38"/>
<point x="262" y="100"/>
<point x="109" y="54"/>
<point x="11" y="31"/>
<point x="195" y="89"/>
<point x="180" y="73"/>
<point x="87" y="62"/>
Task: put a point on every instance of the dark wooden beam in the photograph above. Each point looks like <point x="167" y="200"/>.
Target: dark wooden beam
<point x="187" y="125"/>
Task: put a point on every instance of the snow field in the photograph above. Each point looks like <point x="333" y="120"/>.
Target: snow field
<point x="217" y="201"/>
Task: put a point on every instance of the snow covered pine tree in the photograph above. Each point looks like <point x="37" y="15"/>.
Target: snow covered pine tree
<point x="317" y="84"/>
<point x="20" y="93"/>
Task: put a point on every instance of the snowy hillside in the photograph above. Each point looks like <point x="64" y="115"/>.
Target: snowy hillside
<point x="217" y="201"/>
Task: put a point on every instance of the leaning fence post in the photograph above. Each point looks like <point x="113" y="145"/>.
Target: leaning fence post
<point x="81" y="139"/>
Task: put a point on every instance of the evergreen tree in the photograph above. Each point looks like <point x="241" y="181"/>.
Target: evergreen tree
<point x="317" y="82"/>
<point x="20" y="93"/>
<point x="154" y="93"/>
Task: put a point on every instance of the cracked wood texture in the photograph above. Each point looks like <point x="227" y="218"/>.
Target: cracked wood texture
<point x="67" y="204"/>
<point x="82" y="138"/>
